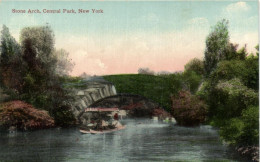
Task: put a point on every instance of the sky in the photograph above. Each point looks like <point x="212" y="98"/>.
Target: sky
<point x="128" y="35"/>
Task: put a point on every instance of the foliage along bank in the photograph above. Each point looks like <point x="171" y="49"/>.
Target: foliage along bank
<point x="22" y="116"/>
<point x="230" y="89"/>
<point x="30" y="71"/>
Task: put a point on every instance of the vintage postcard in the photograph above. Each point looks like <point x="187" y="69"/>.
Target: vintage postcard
<point x="129" y="80"/>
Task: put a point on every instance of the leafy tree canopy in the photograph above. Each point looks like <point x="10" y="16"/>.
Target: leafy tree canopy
<point x="9" y="47"/>
<point x="217" y="44"/>
<point x="195" y="65"/>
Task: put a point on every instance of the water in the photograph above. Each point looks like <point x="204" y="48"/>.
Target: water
<point x="142" y="140"/>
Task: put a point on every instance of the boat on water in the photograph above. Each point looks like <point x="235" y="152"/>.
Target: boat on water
<point x="90" y="131"/>
<point x="102" y="120"/>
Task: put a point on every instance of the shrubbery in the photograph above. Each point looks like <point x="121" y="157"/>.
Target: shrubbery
<point x="63" y="116"/>
<point x="245" y="70"/>
<point x="242" y="130"/>
<point x="232" y="130"/>
<point x="188" y="109"/>
<point x="191" y="81"/>
<point x="230" y="89"/>
<point x="23" y="116"/>
<point x="250" y="117"/>
<point x="229" y="98"/>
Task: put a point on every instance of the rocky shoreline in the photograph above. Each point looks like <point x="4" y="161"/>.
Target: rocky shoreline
<point x="250" y="152"/>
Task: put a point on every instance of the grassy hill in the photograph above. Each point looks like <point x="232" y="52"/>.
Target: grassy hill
<point x="157" y="88"/>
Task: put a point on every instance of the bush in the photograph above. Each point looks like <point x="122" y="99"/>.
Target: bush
<point x="191" y="80"/>
<point x="250" y="117"/>
<point x="203" y="90"/>
<point x="232" y="130"/>
<point x="227" y="70"/>
<point x="188" y="109"/>
<point x="245" y="70"/>
<point x="229" y="98"/>
<point x="195" y="65"/>
<point x="63" y="116"/>
<point x="23" y="116"/>
<point x="252" y="78"/>
<point x="243" y="130"/>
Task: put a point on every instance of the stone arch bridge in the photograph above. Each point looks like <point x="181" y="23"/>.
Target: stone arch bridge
<point x="88" y="93"/>
<point x="102" y="93"/>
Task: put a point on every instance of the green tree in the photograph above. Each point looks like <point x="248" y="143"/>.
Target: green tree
<point x="64" y="64"/>
<point x="227" y="70"/>
<point x="242" y="53"/>
<point x="38" y="48"/>
<point x="217" y="44"/>
<point x="257" y="50"/>
<point x="11" y="66"/>
<point x="9" y="47"/>
<point x="191" y="81"/>
<point x="250" y="133"/>
<point x="195" y="65"/>
<point x="252" y="77"/>
<point x="40" y="81"/>
<point x="229" y="98"/>
<point x="247" y="70"/>
<point x="42" y="87"/>
<point x="244" y="129"/>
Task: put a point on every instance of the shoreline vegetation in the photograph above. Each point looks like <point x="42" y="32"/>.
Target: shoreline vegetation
<point x="18" y="115"/>
<point x="221" y="90"/>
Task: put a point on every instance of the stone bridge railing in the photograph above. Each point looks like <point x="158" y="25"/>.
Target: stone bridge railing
<point x="92" y="92"/>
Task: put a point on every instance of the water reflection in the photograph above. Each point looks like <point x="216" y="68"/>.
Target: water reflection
<point x="142" y="140"/>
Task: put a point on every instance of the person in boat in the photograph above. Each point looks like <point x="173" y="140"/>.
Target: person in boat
<point x="102" y="122"/>
<point x="116" y="123"/>
<point x="116" y="116"/>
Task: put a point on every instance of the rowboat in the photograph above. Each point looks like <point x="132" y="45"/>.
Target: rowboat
<point x="101" y="131"/>
<point x="84" y="131"/>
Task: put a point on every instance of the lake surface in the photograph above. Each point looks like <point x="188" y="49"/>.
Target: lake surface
<point x="142" y="140"/>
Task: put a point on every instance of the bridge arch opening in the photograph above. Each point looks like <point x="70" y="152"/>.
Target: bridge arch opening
<point x="134" y="105"/>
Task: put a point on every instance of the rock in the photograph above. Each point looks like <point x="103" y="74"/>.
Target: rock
<point x="161" y="114"/>
<point x="155" y="118"/>
<point x="83" y="103"/>
<point x="251" y="152"/>
<point x="80" y="93"/>
<point x="113" y="90"/>
<point x="12" y="129"/>
<point x="173" y="120"/>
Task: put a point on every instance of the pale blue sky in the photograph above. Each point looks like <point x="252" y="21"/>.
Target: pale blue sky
<point x="175" y="27"/>
<point x="125" y="16"/>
